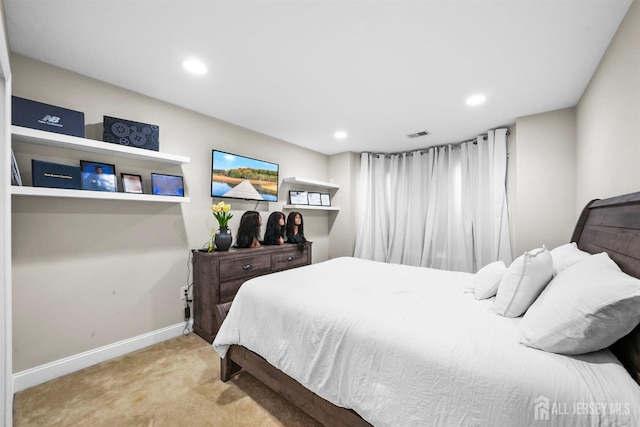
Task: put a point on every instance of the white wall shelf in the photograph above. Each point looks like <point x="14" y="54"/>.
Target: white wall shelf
<point x="310" y="183"/>
<point x="40" y="137"/>
<point x="52" y="139"/>
<point x="309" y="207"/>
<point x="86" y="194"/>
<point x="295" y="180"/>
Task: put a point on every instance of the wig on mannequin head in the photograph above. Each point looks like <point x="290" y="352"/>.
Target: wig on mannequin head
<point x="248" y="230"/>
<point x="274" y="234"/>
<point x="295" y="235"/>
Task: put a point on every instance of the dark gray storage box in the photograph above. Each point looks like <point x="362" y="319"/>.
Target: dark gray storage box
<point x="38" y="115"/>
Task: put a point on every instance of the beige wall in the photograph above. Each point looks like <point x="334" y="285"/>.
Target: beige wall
<point x="512" y="195"/>
<point x="608" y="119"/>
<point x="543" y="211"/>
<point x="88" y="273"/>
<point x="343" y="169"/>
<point x="568" y="157"/>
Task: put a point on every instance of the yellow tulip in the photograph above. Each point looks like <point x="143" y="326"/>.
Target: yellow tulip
<point x="221" y="213"/>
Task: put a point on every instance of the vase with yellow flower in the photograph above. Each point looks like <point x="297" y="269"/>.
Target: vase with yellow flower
<point x="221" y="238"/>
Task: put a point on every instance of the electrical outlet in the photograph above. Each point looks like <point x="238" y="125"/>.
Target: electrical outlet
<point x="183" y="292"/>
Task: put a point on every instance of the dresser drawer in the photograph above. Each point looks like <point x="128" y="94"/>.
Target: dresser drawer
<point x="245" y="267"/>
<point x="289" y="259"/>
<point x="228" y="290"/>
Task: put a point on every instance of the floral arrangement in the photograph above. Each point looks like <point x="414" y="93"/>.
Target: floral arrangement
<point x="221" y="212"/>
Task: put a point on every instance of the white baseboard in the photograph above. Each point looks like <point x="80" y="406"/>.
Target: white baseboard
<point x="49" y="371"/>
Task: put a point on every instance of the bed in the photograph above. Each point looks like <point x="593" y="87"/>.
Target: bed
<point x="355" y="342"/>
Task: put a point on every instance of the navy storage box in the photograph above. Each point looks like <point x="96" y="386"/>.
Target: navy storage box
<point x="55" y="175"/>
<point x="134" y="134"/>
<point x="37" y="115"/>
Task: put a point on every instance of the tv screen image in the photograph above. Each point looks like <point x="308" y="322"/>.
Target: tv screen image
<point x="240" y="177"/>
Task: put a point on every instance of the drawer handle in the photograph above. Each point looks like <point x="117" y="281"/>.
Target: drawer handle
<point x="247" y="267"/>
<point x="290" y="258"/>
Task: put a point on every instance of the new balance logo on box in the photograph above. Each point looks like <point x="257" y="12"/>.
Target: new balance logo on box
<point x="50" y="118"/>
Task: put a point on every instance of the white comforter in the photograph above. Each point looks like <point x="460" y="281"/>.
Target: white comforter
<point x="407" y="346"/>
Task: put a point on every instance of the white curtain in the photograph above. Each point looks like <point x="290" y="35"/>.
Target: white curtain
<point x="445" y="207"/>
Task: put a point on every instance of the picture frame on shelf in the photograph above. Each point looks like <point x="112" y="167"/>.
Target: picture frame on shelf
<point x="16" y="178"/>
<point x="131" y="183"/>
<point x="298" y="197"/>
<point x="96" y="176"/>
<point x="167" y="185"/>
<point x="325" y="199"/>
<point x="314" y="199"/>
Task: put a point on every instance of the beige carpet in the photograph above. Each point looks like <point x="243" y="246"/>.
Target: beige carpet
<point x="174" y="383"/>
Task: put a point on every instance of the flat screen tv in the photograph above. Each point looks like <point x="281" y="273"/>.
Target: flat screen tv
<point x="240" y="177"/>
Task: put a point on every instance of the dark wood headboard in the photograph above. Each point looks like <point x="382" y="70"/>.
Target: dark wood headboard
<point x="613" y="226"/>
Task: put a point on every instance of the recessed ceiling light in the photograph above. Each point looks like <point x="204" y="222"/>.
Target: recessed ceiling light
<point x="340" y="134"/>
<point x="195" y="66"/>
<point x="476" y="100"/>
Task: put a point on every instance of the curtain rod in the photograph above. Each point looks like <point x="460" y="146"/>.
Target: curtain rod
<point x="421" y="150"/>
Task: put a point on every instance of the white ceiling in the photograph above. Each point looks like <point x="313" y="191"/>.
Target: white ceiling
<point x="299" y="70"/>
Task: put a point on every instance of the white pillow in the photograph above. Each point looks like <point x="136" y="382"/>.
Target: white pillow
<point x="566" y="255"/>
<point x="588" y="307"/>
<point x="523" y="281"/>
<point x="487" y="279"/>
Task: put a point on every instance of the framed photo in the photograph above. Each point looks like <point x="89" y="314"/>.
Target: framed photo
<point x="131" y="183"/>
<point x="96" y="176"/>
<point x="16" y="179"/>
<point x="325" y="199"/>
<point x="298" y="198"/>
<point x="315" y="199"/>
<point x="166" y="185"/>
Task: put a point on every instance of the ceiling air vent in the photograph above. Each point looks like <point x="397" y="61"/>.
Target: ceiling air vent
<point x="418" y="134"/>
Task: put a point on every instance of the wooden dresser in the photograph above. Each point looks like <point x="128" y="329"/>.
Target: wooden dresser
<point x="217" y="276"/>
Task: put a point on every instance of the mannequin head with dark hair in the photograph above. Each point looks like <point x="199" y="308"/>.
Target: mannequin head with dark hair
<point x="274" y="234"/>
<point x="295" y="228"/>
<point x="249" y="230"/>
